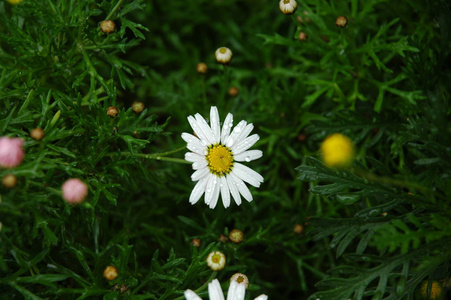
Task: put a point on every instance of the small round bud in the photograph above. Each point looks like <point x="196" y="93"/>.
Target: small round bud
<point x="223" y="55"/>
<point x="288" y="7"/>
<point x="223" y="238"/>
<point x="240" y="278"/>
<point x="233" y="91"/>
<point x="302" y="36"/>
<point x="341" y="21"/>
<point x="216" y="260"/>
<point x="236" y="236"/>
<point x="201" y="68"/>
<point x="110" y="273"/>
<point x="325" y="39"/>
<point x="138" y="107"/>
<point x="298" y="228"/>
<point x="337" y="151"/>
<point x="196" y="242"/>
<point x="37" y="134"/>
<point x="302" y="137"/>
<point x="304" y="20"/>
<point x="107" y="26"/>
<point x="74" y="191"/>
<point x="112" y="111"/>
<point x="9" y="181"/>
<point x="11" y="152"/>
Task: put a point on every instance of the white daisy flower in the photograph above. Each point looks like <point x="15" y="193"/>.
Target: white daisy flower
<point x="236" y="292"/>
<point x="223" y="55"/>
<point x="288" y="7"/>
<point x="216" y="155"/>
<point x="216" y="260"/>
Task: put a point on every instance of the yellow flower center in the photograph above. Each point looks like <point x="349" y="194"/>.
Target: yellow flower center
<point x="220" y="159"/>
<point x="216" y="258"/>
<point x="286" y="1"/>
<point x="223" y="50"/>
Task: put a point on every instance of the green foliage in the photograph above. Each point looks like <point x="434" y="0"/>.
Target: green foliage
<point x="376" y="230"/>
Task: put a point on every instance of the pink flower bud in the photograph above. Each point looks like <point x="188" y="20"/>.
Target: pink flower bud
<point x="74" y="191"/>
<point x="11" y="152"/>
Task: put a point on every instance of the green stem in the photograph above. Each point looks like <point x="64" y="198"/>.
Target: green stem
<point x="392" y="181"/>
<point x="114" y="9"/>
<point x="159" y="156"/>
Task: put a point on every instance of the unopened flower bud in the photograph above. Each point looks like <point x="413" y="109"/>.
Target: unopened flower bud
<point x="196" y="242"/>
<point x="223" y="238"/>
<point x="288" y="7"/>
<point x="107" y="26"/>
<point x="112" y="111"/>
<point x="74" y="191"/>
<point x="223" y="55"/>
<point x="233" y="91"/>
<point x="240" y="278"/>
<point x="302" y="36"/>
<point x="9" y="181"/>
<point x="216" y="260"/>
<point x="236" y="236"/>
<point x="201" y="68"/>
<point x="337" y="151"/>
<point x="11" y="152"/>
<point x="298" y="228"/>
<point x="304" y="20"/>
<point x="138" y="107"/>
<point x="110" y="273"/>
<point x="37" y="134"/>
<point x="341" y="21"/>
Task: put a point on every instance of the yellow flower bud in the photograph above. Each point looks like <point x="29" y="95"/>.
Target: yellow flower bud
<point x="337" y="151"/>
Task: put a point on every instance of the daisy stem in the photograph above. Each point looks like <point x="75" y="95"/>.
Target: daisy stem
<point x="160" y="156"/>
<point x="392" y="181"/>
<point x="114" y="9"/>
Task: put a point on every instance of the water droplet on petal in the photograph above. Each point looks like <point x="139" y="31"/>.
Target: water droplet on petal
<point x="247" y="158"/>
<point x="237" y="129"/>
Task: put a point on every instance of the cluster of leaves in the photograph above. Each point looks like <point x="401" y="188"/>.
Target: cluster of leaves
<point x="382" y="81"/>
<point x="396" y="197"/>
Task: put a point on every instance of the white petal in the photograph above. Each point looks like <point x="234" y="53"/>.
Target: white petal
<point x="215" y="196"/>
<point x="226" y="127"/>
<point x="190" y="295"/>
<point x="214" y="123"/>
<point x="225" y="193"/>
<point x="209" y="193"/>
<point x="194" y="157"/>
<point x="236" y="291"/>
<point x="198" y="190"/>
<point x="262" y="297"/>
<point x="245" y="132"/>
<point x="205" y="128"/>
<point x="200" y="164"/>
<point x="236" y="132"/>
<point x="248" y="156"/>
<point x="195" y="126"/>
<point x="199" y="174"/>
<point x="244" y="145"/>
<point x="193" y="143"/>
<point x="242" y="188"/>
<point x="215" y="291"/>
<point x="247" y="174"/>
<point x="233" y="189"/>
